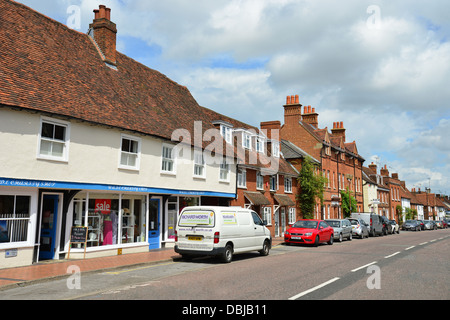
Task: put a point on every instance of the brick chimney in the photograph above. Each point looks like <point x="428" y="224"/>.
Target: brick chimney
<point x="384" y="171"/>
<point x="104" y="33"/>
<point x="310" y="116"/>
<point x="373" y="168"/>
<point x="273" y="129"/>
<point x="292" y="111"/>
<point x="338" y="130"/>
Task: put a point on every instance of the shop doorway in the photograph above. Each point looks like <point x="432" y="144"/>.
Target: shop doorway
<point x="154" y="233"/>
<point x="49" y="219"/>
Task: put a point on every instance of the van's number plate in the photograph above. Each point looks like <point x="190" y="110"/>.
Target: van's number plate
<point x="192" y="238"/>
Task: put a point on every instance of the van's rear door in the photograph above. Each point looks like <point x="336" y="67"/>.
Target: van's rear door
<point x="195" y="230"/>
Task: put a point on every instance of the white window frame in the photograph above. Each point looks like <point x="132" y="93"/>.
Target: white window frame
<point x="292" y="215"/>
<point x="242" y="178"/>
<point x="259" y="144"/>
<point x="227" y="133"/>
<point x="259" y="181"/>
<point x="224" y="171"/>
<point x="137" y="153"/>
<point x="173" y="159"/>
<point x="246" y="140"/>
<point x="31" y="219"/>
<point x="273" y="179"/>
<point x="275" y="149"/>
<point x="287" y="184"/>
<point x="199" y="165"/>
<point x="267" y="215"/>
<point x="65" y="142"/>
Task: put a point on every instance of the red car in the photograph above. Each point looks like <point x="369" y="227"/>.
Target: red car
<point x="309" y="232"/>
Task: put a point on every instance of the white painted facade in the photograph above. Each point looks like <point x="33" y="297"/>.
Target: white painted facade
<point x="91" y="169"/>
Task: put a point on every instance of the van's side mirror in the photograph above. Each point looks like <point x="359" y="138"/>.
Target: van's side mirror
<point x="264" y="223"/>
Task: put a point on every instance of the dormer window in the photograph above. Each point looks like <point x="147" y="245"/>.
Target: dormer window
<point x="259" y="144"/>
<point x="247" y="140"/>
<point x="227" y="133"/>
<point x="275" y="149"/>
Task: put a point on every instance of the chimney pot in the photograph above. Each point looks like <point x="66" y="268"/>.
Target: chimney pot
<point x="297" y="99"/>
<point x="288" y="100"/>
<point x="105" y="33"/>
<point x="313" y="110"/>
<point x="102" y="11"/>
<point x="342" y="125"/>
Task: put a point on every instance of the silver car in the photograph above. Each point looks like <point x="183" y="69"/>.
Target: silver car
<point x="342" y="228"/>
<point x="430" y="225"/>
<point x="359" y="228"/>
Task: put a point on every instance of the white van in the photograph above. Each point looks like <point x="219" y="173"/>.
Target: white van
<point x="374" y="222"/>
<point x="220" y="231"/>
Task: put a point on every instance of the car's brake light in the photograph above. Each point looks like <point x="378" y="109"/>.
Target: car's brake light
<point x="176" y="236"/>
<point x="216" y="237"/>
<point x="370" y="221"/>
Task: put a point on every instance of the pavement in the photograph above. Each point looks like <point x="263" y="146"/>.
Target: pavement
<point x="58" y="269"/>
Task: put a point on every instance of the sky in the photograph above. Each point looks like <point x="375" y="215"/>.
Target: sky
<point x="381" y="67"/>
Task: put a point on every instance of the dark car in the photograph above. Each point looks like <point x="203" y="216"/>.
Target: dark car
<point x="411" y="225"/>
<point x="422" y="224"/>
<point x="387" y="226"/>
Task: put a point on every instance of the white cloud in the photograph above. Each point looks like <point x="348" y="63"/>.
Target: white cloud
<point x="388" y="84"/>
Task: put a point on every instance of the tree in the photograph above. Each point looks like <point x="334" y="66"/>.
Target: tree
<point x="348" y="206"/>
<point x="311" y="188"/>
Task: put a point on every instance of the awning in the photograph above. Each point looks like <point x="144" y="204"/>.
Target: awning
<point x="257" y="198"/>
<point x="284" y="200"/>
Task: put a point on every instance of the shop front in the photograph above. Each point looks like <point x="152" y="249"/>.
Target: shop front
<point x="37" y="217"/>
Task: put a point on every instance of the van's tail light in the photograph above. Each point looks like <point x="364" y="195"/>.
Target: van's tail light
<point x="216" y="237"/>
<point x="176" y="236"/>
<point x="370" y="221"/>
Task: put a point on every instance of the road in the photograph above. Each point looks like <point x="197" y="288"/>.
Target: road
<point x="412" y="265"/>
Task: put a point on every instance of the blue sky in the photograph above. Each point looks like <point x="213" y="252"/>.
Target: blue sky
<point x="382" y="67"/>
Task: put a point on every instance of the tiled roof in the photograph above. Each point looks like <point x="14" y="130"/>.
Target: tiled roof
<point x="47" y="67"/>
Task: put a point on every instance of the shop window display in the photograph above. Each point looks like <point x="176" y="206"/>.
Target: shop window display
<point x="111" y="219"/>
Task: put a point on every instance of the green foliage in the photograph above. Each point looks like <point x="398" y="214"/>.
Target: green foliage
<point x="410" y="214"/>
<point x="311" y="188"/>
<point x="348" y="206"/>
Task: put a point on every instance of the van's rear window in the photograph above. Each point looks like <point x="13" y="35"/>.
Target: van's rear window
<point x="197" y="218"/>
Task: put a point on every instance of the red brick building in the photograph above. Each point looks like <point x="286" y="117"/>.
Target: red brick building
<point x="268" y="188"/>
<point x="339" y="160"/>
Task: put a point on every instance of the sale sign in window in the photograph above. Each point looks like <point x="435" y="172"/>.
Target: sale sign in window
<point x="103" y="206"/>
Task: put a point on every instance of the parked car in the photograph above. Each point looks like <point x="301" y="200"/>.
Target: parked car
<point x="342" y="228"/>
<point x="372" y="220"/>
<point x="309" y="232"/>
<point x="422" y="224"/>
<point x="430" y="225"/>
<point x="439" y="224"/>
<point x="411" y="225"/>
<point x="395" y="226"/>
<point x="445" y="223"/>
<point x="359" y="228"/>
<point x="387" y="226"/>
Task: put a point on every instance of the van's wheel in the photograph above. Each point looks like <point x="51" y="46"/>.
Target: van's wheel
<point x="340" y="237"/>
<point x="227" y="254"/>
<point x="266" y="248"/>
